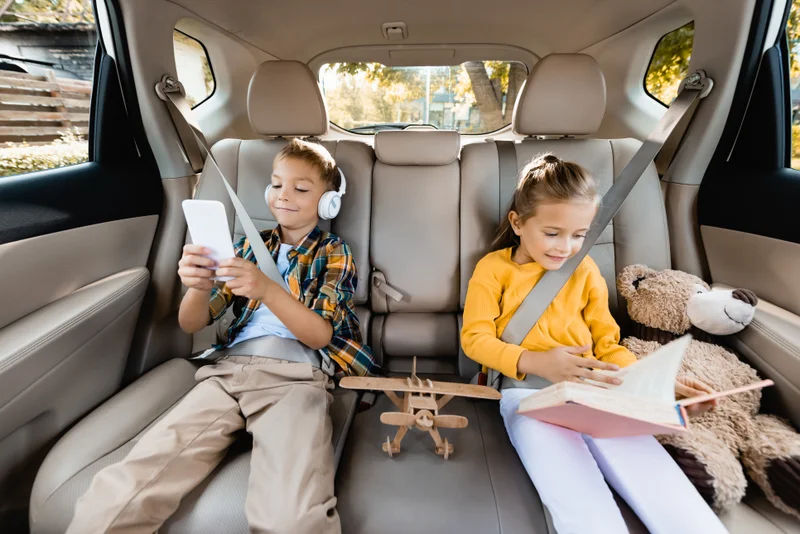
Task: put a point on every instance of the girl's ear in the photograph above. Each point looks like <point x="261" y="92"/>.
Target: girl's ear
<point x="515" y="221"/>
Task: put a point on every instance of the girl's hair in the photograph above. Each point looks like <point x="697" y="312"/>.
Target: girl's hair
<point x="547" y="178"/>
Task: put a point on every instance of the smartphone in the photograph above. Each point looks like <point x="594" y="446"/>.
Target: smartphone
<point x="208" y="227"/>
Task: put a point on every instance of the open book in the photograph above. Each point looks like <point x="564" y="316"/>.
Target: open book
<point x="644" y="404"/>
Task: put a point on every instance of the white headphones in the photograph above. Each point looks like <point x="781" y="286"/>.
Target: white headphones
<point x="329" y="203"/>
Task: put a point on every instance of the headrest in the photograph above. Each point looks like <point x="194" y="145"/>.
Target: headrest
<point x="417" y="147"/>
<point x="284" y="99"/>
<point x="565" y="94"/>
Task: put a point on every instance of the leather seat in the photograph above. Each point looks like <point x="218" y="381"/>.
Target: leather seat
<point x="421" y="218"/>
<point x="283" y="99"/>
<point x="483" y="487"/>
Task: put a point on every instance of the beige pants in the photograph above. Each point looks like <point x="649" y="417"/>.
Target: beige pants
<point x="283" y="405"/>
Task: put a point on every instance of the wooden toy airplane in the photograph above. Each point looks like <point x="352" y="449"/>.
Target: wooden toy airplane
<point x="419" y="405"/>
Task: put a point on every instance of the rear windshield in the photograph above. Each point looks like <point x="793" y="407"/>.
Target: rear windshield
<point x="476" y="97"/>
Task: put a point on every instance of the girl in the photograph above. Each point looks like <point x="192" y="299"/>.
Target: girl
<point x="553" y="205"/>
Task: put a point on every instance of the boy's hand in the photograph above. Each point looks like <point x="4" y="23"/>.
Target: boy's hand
<point x="691" y="387"/>
<point x="565" y="364"/>
<point x="195" y="268"/>
<point x="248" y="280"/>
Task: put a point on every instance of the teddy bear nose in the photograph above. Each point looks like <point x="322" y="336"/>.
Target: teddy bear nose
<point x="746" y="296"/>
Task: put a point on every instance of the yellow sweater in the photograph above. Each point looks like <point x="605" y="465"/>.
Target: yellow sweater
<point x="578" y="316"/>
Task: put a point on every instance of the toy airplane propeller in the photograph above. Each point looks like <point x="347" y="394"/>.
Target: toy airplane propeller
<point x="419" y="406"/>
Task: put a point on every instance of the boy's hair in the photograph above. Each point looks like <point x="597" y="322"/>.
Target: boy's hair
<point x="547" y="178"/>
<point x="315" y="155"/>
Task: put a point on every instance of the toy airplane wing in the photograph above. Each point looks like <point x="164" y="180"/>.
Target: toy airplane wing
<point x="409" y="385"/>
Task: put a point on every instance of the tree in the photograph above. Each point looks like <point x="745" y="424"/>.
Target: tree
<point x="793" y="37"/>
<point x="489" y="86"/>
<point x="670" y="63"/>
<point x="47" y="11"/>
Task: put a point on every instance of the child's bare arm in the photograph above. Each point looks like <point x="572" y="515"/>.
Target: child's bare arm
<point x="194" y="314"/>
<point x="308" y="327"/>
<point x="195" y="272"/>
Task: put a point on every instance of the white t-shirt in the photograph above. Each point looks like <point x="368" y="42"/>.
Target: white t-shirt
<point x="264" y="322"/>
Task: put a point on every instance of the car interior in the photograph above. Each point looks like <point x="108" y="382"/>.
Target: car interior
<point x="91" y="353"/>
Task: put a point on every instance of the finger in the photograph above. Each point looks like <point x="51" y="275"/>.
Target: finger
<point x="595" y="364"/>
<point x="702" y="386"/>
<point x="235" y="272"/>
<point x="599" y="377"/>
<point x="698" y="409"/>
<point x="202" y="261"/>
<point x="234" y="262"/>
<point x="577" y="350"/>
<point x="687" y="391"/>
<point x="196" y="249"/>
<point x="195" y="272"/>
<point x="234" y="283"/>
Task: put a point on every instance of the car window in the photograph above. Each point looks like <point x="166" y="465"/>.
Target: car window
<point x="669" y="64"/>
<point x="194" y="68"/>
<point x="476" y="97"/>
<point x="793" y="42"/>
<point x="46" y="66"/>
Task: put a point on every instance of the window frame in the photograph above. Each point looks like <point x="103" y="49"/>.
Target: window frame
<point x="527" y="73"/>
<point x="208" y="59"/>
<point x="653" y="55"/>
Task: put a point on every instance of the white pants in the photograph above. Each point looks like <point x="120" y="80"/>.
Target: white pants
<point x="570" y="471"/>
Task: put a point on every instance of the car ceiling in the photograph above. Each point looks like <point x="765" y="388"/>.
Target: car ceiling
<point x="302" y="30"/>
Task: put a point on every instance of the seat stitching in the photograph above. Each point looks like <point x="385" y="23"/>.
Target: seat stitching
<point x="488" y="469"/>
<point x="88" y="312"/>
<point x="149" y="482"/>
<point x="115" y="449"/>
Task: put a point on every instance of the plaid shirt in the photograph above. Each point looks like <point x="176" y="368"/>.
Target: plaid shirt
<point x="322" y="275"/>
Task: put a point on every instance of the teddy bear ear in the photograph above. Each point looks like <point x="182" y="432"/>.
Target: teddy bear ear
<point x="630" y="277"/>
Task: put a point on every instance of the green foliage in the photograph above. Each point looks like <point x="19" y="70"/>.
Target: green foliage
<point x="19" y="158"/>
<point x="50" y="11"/>
<point x="793" y="41"/>
<point x="670" y="63"/>
<point x="372" y="93"/>
<point x="793" y="36"/>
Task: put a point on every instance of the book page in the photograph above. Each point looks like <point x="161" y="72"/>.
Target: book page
<point x="617" y="403"/>
<point x="653" y="377"/>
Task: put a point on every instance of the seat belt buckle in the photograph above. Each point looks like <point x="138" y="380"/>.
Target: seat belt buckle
<point x="169" y="84"/>
<point x="367" y="401"/>
<point x="480" y="379"/>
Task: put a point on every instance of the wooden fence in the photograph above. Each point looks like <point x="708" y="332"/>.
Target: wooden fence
<point x="37" y="109"/>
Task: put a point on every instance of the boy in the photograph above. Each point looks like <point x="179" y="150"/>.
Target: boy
<point x="269" y="378"/>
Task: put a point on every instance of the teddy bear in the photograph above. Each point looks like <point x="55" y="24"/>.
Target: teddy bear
<point x="732" y="438"/>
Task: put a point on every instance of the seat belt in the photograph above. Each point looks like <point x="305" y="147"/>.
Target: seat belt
<point x="171" y="91"/>
<point x="692" y="90"/>
<point x="507" y="162"/>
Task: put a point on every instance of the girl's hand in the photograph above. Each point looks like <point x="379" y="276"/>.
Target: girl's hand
<point x="196" y="268"/>
<point x="248" y="280"/>
<point x="691" y="387"/>
<point x="565" y="364"/>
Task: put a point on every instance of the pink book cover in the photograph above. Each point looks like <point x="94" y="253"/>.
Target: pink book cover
<point x="600" y="423"/>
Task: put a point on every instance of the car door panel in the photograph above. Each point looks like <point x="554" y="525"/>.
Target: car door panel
<point x="45" y="268"/>
<point x="765" y="265"/>
<point x="74" y="248"/>
<point x="82" y="338"/>
<point x="746" y="209"/>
